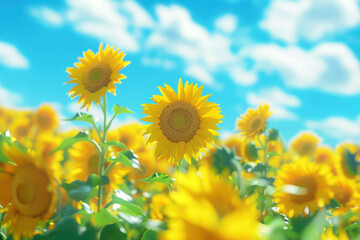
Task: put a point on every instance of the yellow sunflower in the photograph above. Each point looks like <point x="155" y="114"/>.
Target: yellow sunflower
<point x="325" y="155"/>
<point x="302" y="187"/>
<point x="45" y="118"/>
<point x="96" y="74"/>
<point x="30" y="188"/>
<point x="347" y="193"/>
<point x="207" y="207"/>
<point x="305" y="143"/>
<point x="20" y="129"/>
<point x="157" y="205"/>
<point x="183" y="123"/>
<point x="329" y="235"/>
<point x="253" y="122"/>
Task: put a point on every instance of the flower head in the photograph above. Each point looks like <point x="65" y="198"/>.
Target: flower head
<point x="305" y="143"/>
<point x="96" y="74"/>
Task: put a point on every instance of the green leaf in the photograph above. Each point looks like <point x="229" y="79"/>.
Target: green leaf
<point x="156" y="225"/>
<point x="67" y="229"/>
<point x="77" y="190"/>
<point x="68" y="142"/>
<point x="83" y="117"/>
<point x="121" y="109"/>
<point x="4" y="140"/>
<point x="272" y="154"/>
<point x="258" y="168"/>
<point x="126" y="201"/>
<point x="127" y="158"/>
<point x="315" y="227"/>
<point x="251" y="151"/>
<point x="159" y="177"/>
<point x="112" y="232"/>
<point x="273" y="134"/>
<point x="95" y="180"/>
<point x="149" y="235"/>
<point x="115" y="143"/>
<point x="104" y="217"/>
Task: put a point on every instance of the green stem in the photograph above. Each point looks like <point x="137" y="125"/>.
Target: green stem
<point x="102" y="155"/>
<point x="108" y="169"/>
<point x="97" y="130"/>
<point x="264" y="148"/>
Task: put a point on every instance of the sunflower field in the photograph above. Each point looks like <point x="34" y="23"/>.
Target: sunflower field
<point x="173" y="178"/>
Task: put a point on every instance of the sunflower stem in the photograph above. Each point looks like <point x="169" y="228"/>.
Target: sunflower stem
<point x="264" y="148"/>
<point x="108" y="169"/>
<point x="102" y="154"/>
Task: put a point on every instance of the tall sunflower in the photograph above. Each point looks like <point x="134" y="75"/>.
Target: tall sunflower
<point x="96" y="74"/>
<point x="30" y="188"/>
<point x="302" y="187"/>
<point x="253" y="122"/>
<point x="183" y="123"/>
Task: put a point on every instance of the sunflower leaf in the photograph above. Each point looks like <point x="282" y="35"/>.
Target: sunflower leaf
<point x="159" y="177"/>
<point x="96" y="180"/>
<point x="83" y="117"/>
<point x="127" y="158"/>
<point x="77" y="190"/>
<point x="273" y="134"/>
<point x="121" y="109"/>
<point x="104" y="217"/>
<point x="68" y="142"/>
<point x="127" y="204"/>
<point x="115" y="144"/>
<point x="149" y="235"/>
<point x="112" y="232"/>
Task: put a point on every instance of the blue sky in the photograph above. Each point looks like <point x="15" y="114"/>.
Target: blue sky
<point x="302" y="57"/>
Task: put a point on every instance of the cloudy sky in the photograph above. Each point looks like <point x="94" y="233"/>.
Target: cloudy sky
<point x="301" y="57"/>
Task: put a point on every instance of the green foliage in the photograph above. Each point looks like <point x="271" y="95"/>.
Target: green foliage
<point x="115" y="144"/>
<point x="273" y="134"/>
<point x="161" y="178"/>
<point x="127" y="158"/>
<point x="104" y="217"/>
<point x="68" y="142"/>
<point x="117" y="109"/>
<point x="149" y="235"/>
<point x="225" y="158"/>
<point x="82" y="117"/>
<point x="112" y="232"/>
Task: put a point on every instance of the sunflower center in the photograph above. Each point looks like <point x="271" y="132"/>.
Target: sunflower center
<point x="30" y="191"/>
<point x="309" y="185"/>
<point x="306" y="149"/>
<point x="97" y="77"/>
<point x="255" y="123"/>
<point x="179" y="121"/>
<point x="342" y="195"/>
<point x="93" y="163"/>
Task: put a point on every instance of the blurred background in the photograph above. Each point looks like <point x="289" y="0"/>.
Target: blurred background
<point x="301" y="57"/>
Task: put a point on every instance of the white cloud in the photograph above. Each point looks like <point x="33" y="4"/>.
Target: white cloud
<point x="177" y="34"/>
<point x="309" y="19"/>
<point x="338" y="127"/>
<point x="226" y="23"/>
<point x="158" y="62"/>
<point x="47" y="15"/>
<point x="278" y="100"/>
<point x="9" y="98"/>
<point x="11" y="57"/>
<point x="331" y="67"/>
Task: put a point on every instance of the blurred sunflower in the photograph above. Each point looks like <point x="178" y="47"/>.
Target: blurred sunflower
<point x="45" y="118"/>
<point x="348" y="162"/>
<point x="96" y="74"/>
<point x="325" y="155"/>
<point x="207" y="207"/>
<point x="302" y="187"/>
<point x="304" y="144"/>
<point x="347" y="193"/>
<point x="253" y="122"/>
<point x="20" y="129"/>
<point x="183" y="123"/>
<point x="329" y="235"/>
<point x="157" y="205"/>
<point x="30" y="188"/>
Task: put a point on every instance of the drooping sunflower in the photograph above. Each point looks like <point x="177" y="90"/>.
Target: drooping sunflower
<point x="305" y="143"/>
<point x="31" y="189"/>
<point x="45" y="118"/>
<point x="96" y="74"/>
<point x="253" y="122"/>
<point x="207" y="207"/>
<point x="302" y="187"/>
<point x="183" y="123"/>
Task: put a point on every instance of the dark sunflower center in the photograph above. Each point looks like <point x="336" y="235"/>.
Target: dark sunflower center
<point x="179" y="121"/>
<point x="310" y="187"/>
<point x="342" y="195"/>
<point x="97" y="77"/>
<point x="306" y="149"/>
<point x="255" y="123"/>
<point x="30" y="191"/>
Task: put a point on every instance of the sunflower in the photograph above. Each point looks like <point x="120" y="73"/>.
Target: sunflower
<point x="347" y="193"/>
<point x="157" y="205"/>
<point x="253" y="122"/>
<point x="325" y="155"/>
<point x="183" y="123"/>
<point x="349" y="159"/>
<point x="30" y="188"/>
<point x="207" y="207"/>
<point x="96" y="74"/>
<point x="20" y="129"/>
<point x="304" y="144"/>
<point x="302" y="187"/>
<point x="329" y="235"/>
<point x="45" y="118"/>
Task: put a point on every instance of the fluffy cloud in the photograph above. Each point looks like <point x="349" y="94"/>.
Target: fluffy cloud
<point x="11" y="57"/>
<point x="309" y="19"/>
<point x="338" y="127"/>
<point x="278" y="100"/>
<point x="47" y="15"/>
<point x="177" y="34"/>
<point x="226" y="23"/>
<point x="331" y="67"/>
<point x="9" y="98"/>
